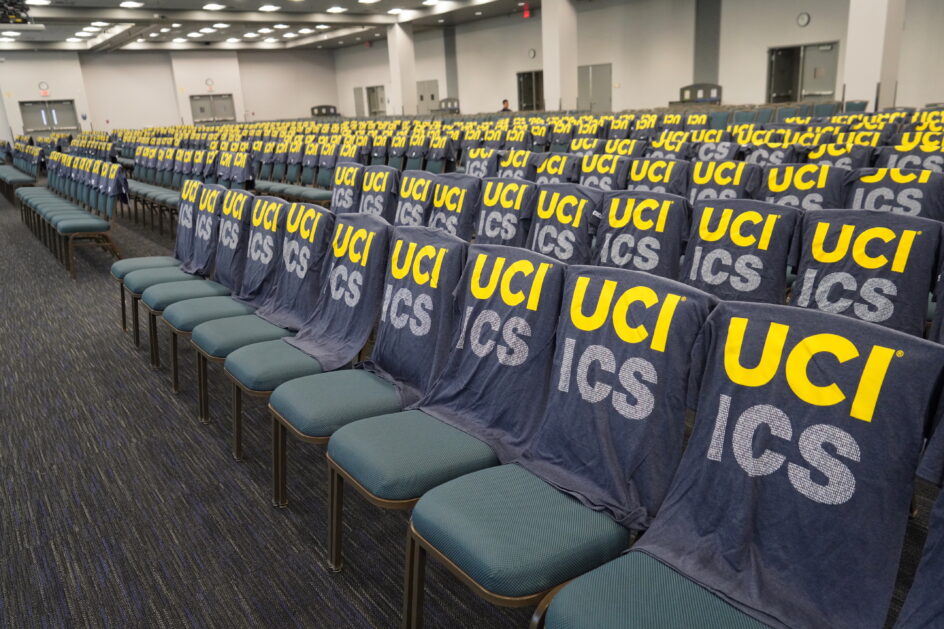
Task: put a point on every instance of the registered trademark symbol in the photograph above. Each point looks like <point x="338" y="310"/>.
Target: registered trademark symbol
<point x="899" y="353"/>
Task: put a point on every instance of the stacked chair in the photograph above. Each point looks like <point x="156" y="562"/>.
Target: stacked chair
<point x="23" y="171"/>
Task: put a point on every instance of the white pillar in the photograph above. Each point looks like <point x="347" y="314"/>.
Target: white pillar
<point x="873" y="47"/>
<point x="559" y="44"/>
<point x="402" y="70"/>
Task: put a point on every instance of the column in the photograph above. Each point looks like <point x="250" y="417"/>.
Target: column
<point x="559" y="44"/>
<point x="707" y="41"/>
<point x="402" y="97"/>
<point x="873" y="47"/>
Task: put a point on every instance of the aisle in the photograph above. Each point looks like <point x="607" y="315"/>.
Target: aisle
<point x="118" y="509"/>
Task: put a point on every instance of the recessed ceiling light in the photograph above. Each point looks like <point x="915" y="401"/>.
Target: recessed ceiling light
<point x="38" y="3"/>
<point x="376" y="34"/>
<point x="521" y="4"/>
<point x="220" y="25"/>
<point x="83" y="34"/>
<point x="289" y="35"/>
<point x="270" y="40"/>
<point x="10" y="33"/>
<point x="322" y="27"/>
<point x="440" y="20"/>
<point x="478" y="13"/>
<point x="91" y="29"/>
<point x="152" y="35"/>
<point x="337" y="9"/>
<point x="320" y="46"/>
<point x="251" y="35"/>
<point x="175" y="25"/>
<point x="207" y="30"/>
<point x="130" y="4"/>
<point x="73" y="40"/>
<point x="179" y="40"/>
<point x="139" y="40"/>
<point x="233" y="40"/>
<point x="214" y="7"/>
<point x="357" y="38"/>
<point x="99" y="23"/>
<point x="268" y="8"/>
<point x="396" y="11"/>
<point x="265" y="30"/>
<point x="6" y="39"/>
<point x="280" y="26"/>
<point x="305" y="31"/>
<point x="341" y="41"/>
<point x="195" y="34"/>
<point x="430" y="3"/>
<point x="165" y="30"/>
<point x="368" y="1"/>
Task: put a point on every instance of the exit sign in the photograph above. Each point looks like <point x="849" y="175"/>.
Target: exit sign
<point x="44" y="92"/>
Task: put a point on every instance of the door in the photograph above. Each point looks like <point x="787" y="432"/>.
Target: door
<point x="427" y="96"/>
<point x="359" y="102"/>
<point x="783" y="74"/>
<point x="212" y="108"/>
<point x="531" y="91"/>
<point x="376" y="100"/>
<point x="583" y="88"/>
<point x="202" y="109"/>
<point x="49" y="115"/>
<point x="595" y="87"/>
<point x="818" y="82"/>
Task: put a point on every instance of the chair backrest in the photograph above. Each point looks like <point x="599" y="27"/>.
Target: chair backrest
<point x="740" y="249"/>
<point x="508" y="299"/>
<point x="379" y="189"/>
<point x="558" y="168"/>
<point x="351" y="293"/>
<point x="808" y="433"/>
<point x="506" y="208"/>
<point x="415" y="198"/>
<point x="915" y="155"/>
<point x="346" y="187"/>
<point x="455" y="201"/>
<point x="806" y="186"/>
<point x="671" y="145"/>
<point x="565" y="218"/>
<point x="205" y="214"/>
<point x="620" y="128"/>
<point x="308" y="231"/>
<point x="643" y="231"/>
<point x="266" y="231"/>
<point x="872" y="265"/>
<point x="586" y="146"/>
<point x="233" y="247"/>
<point x="190" y="193"/>
<point x="657" y="175"/>
<point x="519" y="164"/>
<point x="417" y="316"/>
<point x="849" y="156"/>
<point x="612" y="429"/>
<point x="481" y="162"/>
<point x="911" y="192"/>
<point x="626" y="147"/>
<point x="604" y="172"/>
<point x="723" y="180"/>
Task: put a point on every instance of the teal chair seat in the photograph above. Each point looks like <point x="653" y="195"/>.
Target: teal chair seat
<point x="314" y="194"/>
<point x="221" y="337"/>
<point x="82" y="225"/>
<point x="318" y="405"/>
<point x="67" y="215"/>
<point x="514" y="534"/>
<point x="264" y="366"/>
<point x="122" y="267"/>
<point x="138" y="281"/>
<point x="160" y="296"/>
<point x="637" y="591"/>
<point x="186" y="315"/>
<point x="403" y="455"/>
<point x="269" y="187"/>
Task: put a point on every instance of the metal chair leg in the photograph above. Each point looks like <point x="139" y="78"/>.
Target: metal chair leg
<point x="135" y="326"/>
<point x="124" y="308"/>
<point x="279" y="461"/>
<point x="413" y="584"/>
<point x="237" y="419"/>
<point x="152" y="341"/>
<point x="203" y="396"/>
<point x="335" y="515"/>
<point x="174" y="365"/>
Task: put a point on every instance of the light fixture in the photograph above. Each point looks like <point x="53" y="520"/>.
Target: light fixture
<point x="152" y="35"/>
<point x="305" y="31"/>
<point x="165" y="30"/>
<point x="430" y="3"/>
<point x="38" y="3"/>
<point x="440" y="20"/>
<point x="91" y="29"/>
<point x="357" y="38"/>
<point x="265" y="30"/>
<point x="280" y="26"/>
<point x="10" y="33"/>
<point x="396" y="11"/>
<point x="478" y="13"/>
<point x="195" y="34"/>
<point x="268" y="8"/>
<point x="83" y="34"/>
<point x="74" y="40"/>
<point x="139" y="40"/>
<point x="376" y="34"/>
<point x="341" y="41"/>
<point x="99" y="23"/>
<point x="207" y="30"/>
<point x="214" y="7"/>
<point x="175" y="25"/>
<point x="233" y="40"/>
<point x="220" y="25"/>
<point x="179" y="40"/>
<point x="322" y="27"/>
<point x="270" y="40"/>
<point x="130" y="4"/>
<point x="289" y="35"/>
<point x="251" y="35"/>
<point x="337" y="9"/>
<point x="6" y="39"/>
<point x="320" y="46"/>
<point x="368" y="1"/>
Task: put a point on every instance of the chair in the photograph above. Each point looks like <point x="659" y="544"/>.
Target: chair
<point x="855" y="106"/>
<point x="872" y="265"/>
<point x="379" y="189"/>
<point x="604" y="172"/>
<point x="441" y="155"/>
<point x="739" y="249"/>
<point x="911" y="192"/>
<point x="595" y="470"/>
<point x="455" y="201"/>
<point x="346" y="187"/>
<point x="481" y="162"/>
<point x="558" y="168"/>
<point x="473" y="416"/>
<point x="849" y="156"/>
<point x="806" y="186"/>
<point x="711" y="180"/>
<point x="415" y="199"/>
<point x="730" y="519"/>
<point x="413" y="337"/>
<point x="656" y="175"/>
<point x="642" y="231"/>
<point x="505" y="211"/>
<point x="565" y="217"/>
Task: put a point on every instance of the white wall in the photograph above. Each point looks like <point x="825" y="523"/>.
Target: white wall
<point x="286" y="83"/>
<point x="431" y="58"/>
<point x="360" y="66"/>
<point x="750" y="27"/>
<point x="489" y="55"/>
<point x="919" y="76"/>
<point x="21" y="73"/>
<point x="191" y="70"/>
<point x="129" y="90"/>
<point x="650" y="44"/>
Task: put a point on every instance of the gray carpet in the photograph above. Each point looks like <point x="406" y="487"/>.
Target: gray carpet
<point x="118" y="509"/>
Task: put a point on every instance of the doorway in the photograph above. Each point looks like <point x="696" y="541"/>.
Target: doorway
<point x="359" y="102"/>
<point x="595" y="87"/>
<point x="48" y="115"/>
<point x="376" y="100"/>
<point x="531" y="91"/>
<point x="427" y="96"/>
<point x="806" y="73"/>
<point x="212" y="108"/>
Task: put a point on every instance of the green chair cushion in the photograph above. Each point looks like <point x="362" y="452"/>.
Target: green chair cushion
<point x="514" y="534"/>
<point x="160" y="296"/>
<point x="67" y="215"/>
<point x="122" y="267"/>
<point x="403" y="455"/>
<point x="188" y="314"/>
<point x="637" y="591"/>
<point x="221" y="337"/>
<point x="314" y="194"/>
<point x="81" y="225"/>
<point x="138" y="281"/>
<point x="264" y="366"/>
<point x="318" y="405"/>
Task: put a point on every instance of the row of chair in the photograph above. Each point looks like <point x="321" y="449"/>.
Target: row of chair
<point x="23" y="170"/>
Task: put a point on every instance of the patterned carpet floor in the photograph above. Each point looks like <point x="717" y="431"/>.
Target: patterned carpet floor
<point x="119" y="509"/>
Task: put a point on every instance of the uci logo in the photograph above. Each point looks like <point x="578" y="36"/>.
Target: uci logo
<point x="234" y="203"/>
<point x="706" y="135"/>
<point x="565" y="209"/>
<point x="869" y="375"/>
<point x="303" y="220"/>
<point x="653" y="171"/>
<point x="861" y="244"/>
<point x="625" y="147"/>
<point x="425" y="265"/>
<point x="733" y="226"/>
<point x="617" y="311"/>
<point x="720" y="173"/>
<point x="353" y="243"/>
<point x="505" y="194"/>
<point x="553" y="165"/>
<point x="516" y="159"/>
<point x="503" y="274"/>
<point x="861" y="138"/>
<point x="638" y="212"/>
<point x="897" y="175"/>
<point x="415" y="188"/>
<point x="375" y="181"/>
<point x="583" y="144"/>
<point x="600" y="164"/>
<point x="806" y="177"/>
<point x="346" y="176"/>
<point x="449" y="198"/>
<point x="226" y="159"/>
<point x="265" y="213"/>
<point x="189" y="191"/>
